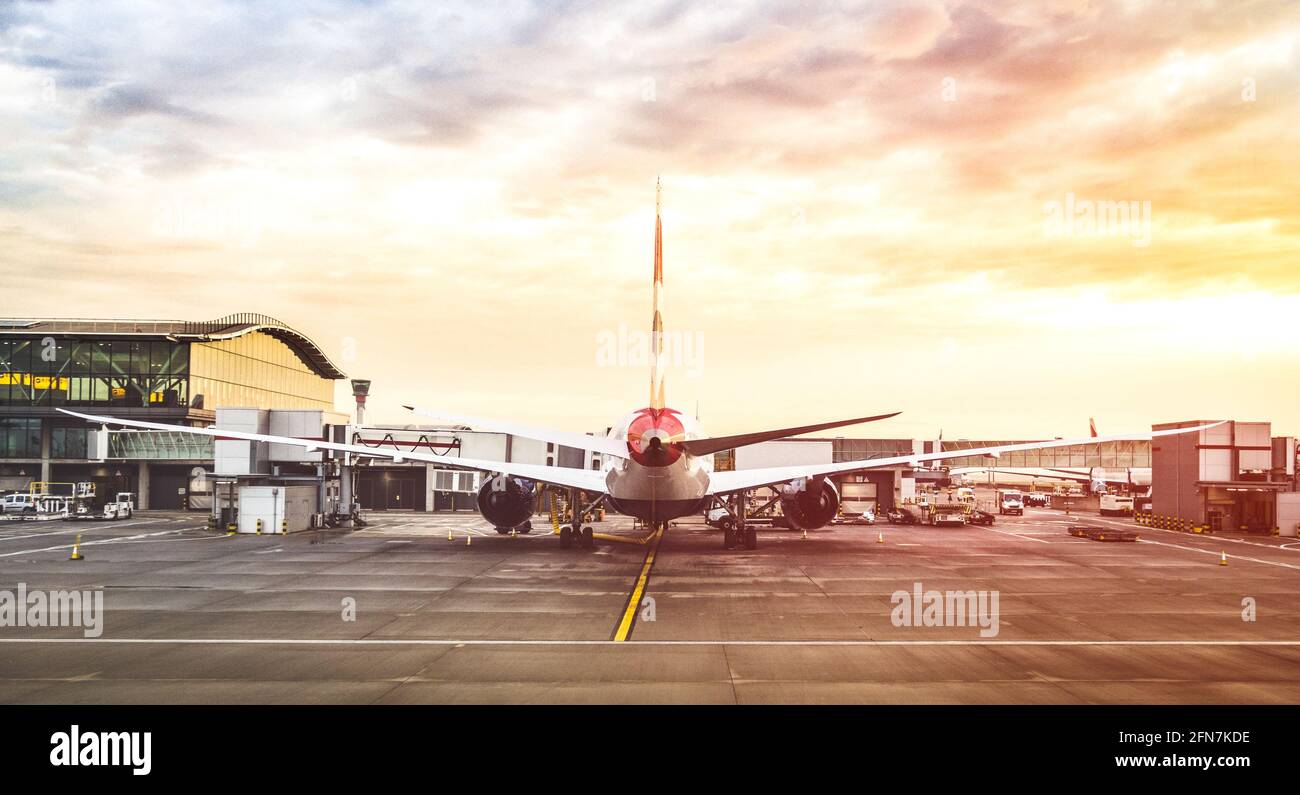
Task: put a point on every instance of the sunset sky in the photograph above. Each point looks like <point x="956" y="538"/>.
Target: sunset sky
<point x="858" y="200"/>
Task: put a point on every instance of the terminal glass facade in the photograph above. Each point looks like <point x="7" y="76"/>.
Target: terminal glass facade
<point x="50" y="371"/>
<point x="20" y="437"/>
<point x="1103" y="454"/>
<point x="253" y="370"/>
<point x="868" y="449"/>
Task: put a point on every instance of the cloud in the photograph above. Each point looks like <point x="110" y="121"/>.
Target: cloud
<point x="459" y="157"/>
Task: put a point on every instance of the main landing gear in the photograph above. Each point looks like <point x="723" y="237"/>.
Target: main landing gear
<point x="583" y="536"/>
<point x="733" y="537"/>
<point x="735" y="531"/>
<point x="577" y="531"/>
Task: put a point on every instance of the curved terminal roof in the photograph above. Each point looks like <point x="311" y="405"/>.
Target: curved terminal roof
<point x="223" y="328"/>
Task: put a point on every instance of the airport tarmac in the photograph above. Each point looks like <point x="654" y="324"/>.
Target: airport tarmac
<point x="196" y="617"/>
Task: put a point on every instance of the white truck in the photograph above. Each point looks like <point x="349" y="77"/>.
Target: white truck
<point x="1011" y="501"/>
<point x="1116" y="505"/>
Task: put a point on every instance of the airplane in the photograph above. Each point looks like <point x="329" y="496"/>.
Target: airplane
<point x="657" y="462"/>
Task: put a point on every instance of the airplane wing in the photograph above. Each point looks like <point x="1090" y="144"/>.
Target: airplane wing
<point x="569" y="477"/>
<point x="714" y="444"/>
<point x="729" y="482"/>
<point x="596" y="444"/>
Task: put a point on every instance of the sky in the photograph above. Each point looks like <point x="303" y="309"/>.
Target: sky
<point x="999" y="218"/>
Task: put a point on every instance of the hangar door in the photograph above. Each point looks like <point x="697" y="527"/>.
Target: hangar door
<point x="858" y="497"/>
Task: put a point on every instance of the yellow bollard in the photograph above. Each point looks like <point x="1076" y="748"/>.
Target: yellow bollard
<point x="76" y="549"/>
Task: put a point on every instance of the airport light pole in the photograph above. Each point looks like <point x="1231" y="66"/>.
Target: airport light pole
<point x="360" y="390"/>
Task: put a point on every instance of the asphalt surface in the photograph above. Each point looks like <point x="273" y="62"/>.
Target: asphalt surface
<point x="195" y="617"/>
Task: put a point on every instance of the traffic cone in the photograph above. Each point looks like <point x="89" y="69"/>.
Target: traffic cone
<point x="76" y="549"/>
<point x="880" y="537"/>
<point x="1223" y="558"/>
<point x="468" y="537"/>
<point x="805" y="535"/>
<point x="450" y="537"/>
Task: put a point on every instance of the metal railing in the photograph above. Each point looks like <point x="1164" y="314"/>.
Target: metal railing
<point x="237" y="320"/>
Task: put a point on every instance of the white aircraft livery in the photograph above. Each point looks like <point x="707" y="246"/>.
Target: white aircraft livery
<point x="657" y="462"/>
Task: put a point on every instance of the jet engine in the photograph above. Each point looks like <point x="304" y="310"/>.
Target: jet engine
<point x="505" y="501"/>
<point x="810" y="503"/>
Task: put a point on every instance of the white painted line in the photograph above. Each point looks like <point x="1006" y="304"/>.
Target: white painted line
<point x="483" y="642"/>
<point x="1216" y="554"/>
<point x="1131" y="526"/>
<point x="80" y="530"/>
<point x="94" y="543"/>
<point x="1017" y="535"/>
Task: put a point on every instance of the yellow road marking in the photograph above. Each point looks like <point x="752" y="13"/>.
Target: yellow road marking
<point x="629" y="615"/>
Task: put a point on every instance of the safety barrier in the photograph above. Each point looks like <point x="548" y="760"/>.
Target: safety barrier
<point x="1174" y="523"/>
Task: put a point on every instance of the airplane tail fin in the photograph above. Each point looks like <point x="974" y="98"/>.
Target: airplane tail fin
<point x="657" y="322"/>
<point x="1092" y="427"/>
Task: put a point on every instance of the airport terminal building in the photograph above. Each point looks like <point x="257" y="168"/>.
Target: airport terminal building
<point x="254" y="373"/>
<point x="168" y="371"/>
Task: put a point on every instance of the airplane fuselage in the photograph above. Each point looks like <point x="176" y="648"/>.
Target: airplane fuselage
<point x="657" y="481"/>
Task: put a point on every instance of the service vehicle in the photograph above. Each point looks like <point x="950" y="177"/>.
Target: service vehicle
<point x="946" y="513"/>
<point x="1116" y="505"/>
<point x="1011" y="502"/>
<point x="19" y="503"/>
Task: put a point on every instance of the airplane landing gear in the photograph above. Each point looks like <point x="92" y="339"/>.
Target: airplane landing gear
<point x="583" y="536"/>
<point x="733" y="537"/>
<point x="737" y="532"/>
